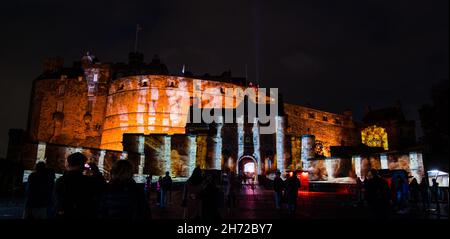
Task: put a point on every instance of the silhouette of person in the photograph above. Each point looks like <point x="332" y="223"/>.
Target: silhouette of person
<point x="435" y="194"/>
<point x="192" y="201"/>
<point x="123" y="198"/>
<point x="278" y="186"/>
<point x="231" y="192"/>
<point x="39" y="192"/>
<point x="210" y="199"/>
<point x="414" y="191"/>
<point x="378" y="194"/>
<point x="292" y="186"/>
<point x="75" y="192"/>
<point x="424" y="194"/>
<point x="166" y="186"/>
<point x="148" y="187"/>
<point x="400" y="192"/>
<point x="158" y="191"/>
<point x="98" y="182"/>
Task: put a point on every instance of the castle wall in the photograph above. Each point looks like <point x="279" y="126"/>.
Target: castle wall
<point x="59" y="110"/>
<point x="230" y="146"/>
<point x="155" y="104"/>
<point x="55" y="156"/>
<point x="346" y="170"/>
<point x="181" y="155"/>
<point x="178" y="155"/>
<point x="329" y="129"/>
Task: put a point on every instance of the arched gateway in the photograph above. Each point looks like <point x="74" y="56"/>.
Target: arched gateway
<point x="247" y="167"/>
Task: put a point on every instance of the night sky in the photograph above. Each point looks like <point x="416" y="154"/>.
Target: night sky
<point x="331" y="54"/>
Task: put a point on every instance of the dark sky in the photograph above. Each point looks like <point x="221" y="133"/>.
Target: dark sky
<point x="332" y="54"/>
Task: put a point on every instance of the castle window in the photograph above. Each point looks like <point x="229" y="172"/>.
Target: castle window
<point x="144" y="82"/>
<point x="172" y="84"/>
<point x="59" y="106"/>
<point x="324" y="118"/>
<point x="311" y="115"/>
<point x="95" y="77"/>
<point x="61" y="90"/>
<point x="337" y="121"/>
<point x="91" y="90"/>
<point x="89" y="106"/>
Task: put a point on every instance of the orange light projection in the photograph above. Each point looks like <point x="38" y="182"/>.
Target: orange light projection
<point x="157" y="104"/>
<point x="374" y="136"/>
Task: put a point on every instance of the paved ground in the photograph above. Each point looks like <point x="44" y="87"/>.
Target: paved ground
<point x="259" y="204"/>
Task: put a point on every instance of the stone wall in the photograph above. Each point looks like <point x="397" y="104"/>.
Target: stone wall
<point x="345" y="170"/>
<point x="65" y="111"/>
<point x="155" y="104"/>
<point x="59" y="112"/>
<point x="328" y="128"/>
<point x="55" y="156"/>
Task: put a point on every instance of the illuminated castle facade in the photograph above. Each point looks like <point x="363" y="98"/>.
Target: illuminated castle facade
<point x="139" y="112"/>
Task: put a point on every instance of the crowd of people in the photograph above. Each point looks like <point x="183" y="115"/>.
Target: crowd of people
<point x="203" y="196"/>
<point x="83" y="193"/>
<point x="398" y="197"/>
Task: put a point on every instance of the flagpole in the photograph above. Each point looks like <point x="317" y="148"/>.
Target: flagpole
<point x="136" y="38"/>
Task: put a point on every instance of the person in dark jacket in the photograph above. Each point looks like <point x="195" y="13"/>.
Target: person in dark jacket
<point x="414" y="191"/>
<point x="158" y="191"/>
<point x="425" y="194"/>
<point x="75" y="192"/>
<point x="166" y="186"/>
<point x="435" y="194"/>
<point x="210" y="200"/>
<point x="148" y="187"/>
<point x="191" y="200"/>
<point x="123" y="198"/>
<point x="231" y="192"/>
<point x="39" y="192"/>
<point x="278" y="186"/>
<point x="98" y="182"/>
<point x="401" y="189"/>
<point x="378" y="194"/>
<point x="292" y="186"/>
